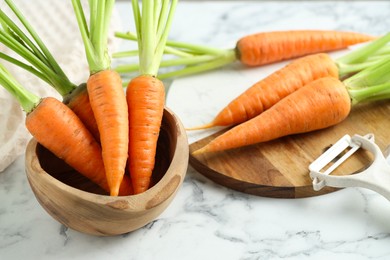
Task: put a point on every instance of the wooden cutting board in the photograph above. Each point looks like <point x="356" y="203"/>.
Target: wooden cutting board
<point x="279" y="168"/>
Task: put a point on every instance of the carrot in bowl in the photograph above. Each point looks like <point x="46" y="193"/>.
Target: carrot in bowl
<point x="145" y="93"/>
<point x="24" y="41"/>
<point x="57" y="127"/>
<point x="252" y="50"/>
<point x="106" y="95"/>
<point x="319" y="104"/>
<point x="268" y="91"/>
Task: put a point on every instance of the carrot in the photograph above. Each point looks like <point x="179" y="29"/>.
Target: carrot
<point x="319" y="104"/>
<point x="107" y="98"/>
<point x="252" y="50"/>
<point x="270" y="90"/>
<point x="145" y="97"/>
<point x="27" y="44"/>
<point x="58" y="128"/>
<point x="268" y="47"/>
<point x="145" y="93"/>
<point x="267" y="92"/>
<point x="305" y="110"/>
<point x="109" y="106"/>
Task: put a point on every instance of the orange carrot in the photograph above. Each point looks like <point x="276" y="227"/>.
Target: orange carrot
<point x="270" y="90"/>
<point x="106" y="95"/>
<point x="109" y="107"/>
<point x="320" y="104"/>
<point x="145" y="94"/>
<point x="268" y="47"/>
<point x="145" y="97"/>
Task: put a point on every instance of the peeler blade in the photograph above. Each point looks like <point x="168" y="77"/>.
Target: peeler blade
<point x="333" y="154"/>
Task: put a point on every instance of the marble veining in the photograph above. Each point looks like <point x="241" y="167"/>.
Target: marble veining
<point x="205" y="220"/>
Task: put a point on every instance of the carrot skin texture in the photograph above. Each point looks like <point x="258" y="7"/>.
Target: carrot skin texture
<point x="319" y="104"/>
<point x="270" y="90"/>
<point x="109" y="107"/>
<point x="58" y="128"/>
<point x="145" y="97"/>
<point x="269" y="47"/>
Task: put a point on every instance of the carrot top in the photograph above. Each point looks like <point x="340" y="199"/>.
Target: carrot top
<point x="30" y="47"/>
<point x="95" y="34"/>
<point x="152" y="26"/>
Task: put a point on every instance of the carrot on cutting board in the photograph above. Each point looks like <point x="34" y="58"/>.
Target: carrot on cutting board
<point x="319" y="104"/>
<point x="23" y="40"/>
<point x="145" y="93"/>
<point x="106" y="95"/>
<point x="267" y="92"/>
<point x="252" y="50"/>
<point x="57" y="127"/>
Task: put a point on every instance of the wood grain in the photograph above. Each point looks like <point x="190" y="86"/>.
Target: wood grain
<point x="279" y="168"/>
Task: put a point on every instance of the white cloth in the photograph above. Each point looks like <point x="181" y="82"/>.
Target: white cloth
<point x="56" y="24"/>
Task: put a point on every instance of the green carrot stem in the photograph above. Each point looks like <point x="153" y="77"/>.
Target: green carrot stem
<point x="33" y="51"/>
<point x="167" y="50"/>
<point x="61" y="84"/>
<point x="383" y="51"/>
<point x="13" y="30"/>
<point x="213" y="64"/>
<point x="377" y="74"/>
<point x="361" y="54"/>
<point x="124" y="54"/>
<point x="25" y="66"/>
<point x="167" y="63"/>
<point x="186" y="47"/>
<point x="27" y="100"/>
<point x="152" y="23"/>
<point x="48" y="56"/>
<point x="372" y="93"/>
<point x="95" y="37"/>
<point x="346" y="69"/>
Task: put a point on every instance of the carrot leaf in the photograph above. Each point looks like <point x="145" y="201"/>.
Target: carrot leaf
<point x="26" y="99"/>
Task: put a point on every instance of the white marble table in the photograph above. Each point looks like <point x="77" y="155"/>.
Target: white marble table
<point x="205" y="220"/>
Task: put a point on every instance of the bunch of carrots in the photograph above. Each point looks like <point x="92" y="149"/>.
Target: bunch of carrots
<point x="92" y="121"/>
<point x="110" y="135"/>
<point x="310" y="93"/>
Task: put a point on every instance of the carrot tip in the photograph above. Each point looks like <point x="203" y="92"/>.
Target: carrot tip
<point x="209" y="125"/>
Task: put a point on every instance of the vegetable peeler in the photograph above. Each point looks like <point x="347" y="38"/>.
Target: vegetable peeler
<point x="375" y="177"/>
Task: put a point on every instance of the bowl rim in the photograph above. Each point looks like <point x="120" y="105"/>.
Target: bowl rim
<point x="136" y="199"/>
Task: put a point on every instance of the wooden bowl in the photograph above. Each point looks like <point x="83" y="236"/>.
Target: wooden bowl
<point x="81" y="205"/>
